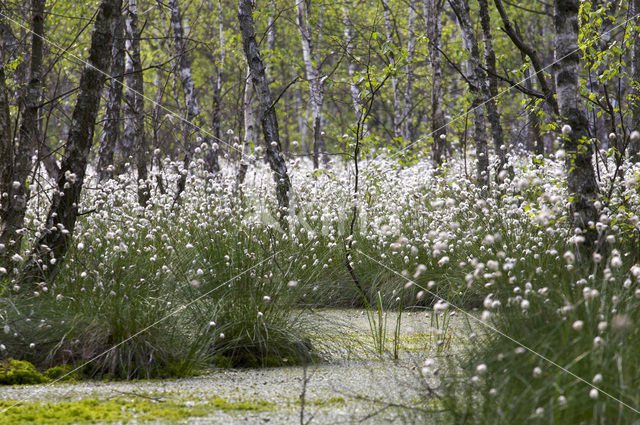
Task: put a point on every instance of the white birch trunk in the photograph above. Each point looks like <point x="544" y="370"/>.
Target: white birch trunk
<point x="133" y="135"/>
<point x="477" y="85"/>
<point x="111" y="129"/>
<point x="408" y="133"/>
<point x="354" y="89"/>
<point x="250" y="129"/>
<point x="397" y="106"/>
<point x="314" y="78"/>
<point x="581" y="181"/>
<point x="188" y="90"/>
<point x="432" y="10"/>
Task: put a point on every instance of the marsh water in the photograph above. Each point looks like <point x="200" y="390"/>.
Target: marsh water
<point x="371" y="374"/>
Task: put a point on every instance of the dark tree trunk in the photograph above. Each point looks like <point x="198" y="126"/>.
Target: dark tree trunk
<point x="581" y="179"/>
<point x="267" y="109"/>
<point x="432" y="11"/>
<point x="6" y="153"/>
<point x="493" y="115"/>
<point x="111" y="130"/>
<point x="155" y="118"/>
<point x="477" y="85"/>
<point x="216" y="110"/>
<point x="6" y="138"/>
<point x="134" y="100"/>
<point x="14" y="207"/>
<point x="61" y="219"/>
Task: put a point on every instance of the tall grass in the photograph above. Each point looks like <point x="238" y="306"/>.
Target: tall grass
<point x="562" y="346"/>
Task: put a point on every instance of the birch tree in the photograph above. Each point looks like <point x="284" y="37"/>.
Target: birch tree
<point x="55" y="238"/>
<point x="354" y="89"/>
<point x="250" y="130"/>
<point x="493" y="115"/>
<point x="188" y="89"/>
<point x="432" y="14"/>
<point x="397" y="99"/>
<point x="134" y="100"/>
<point x="267" y="108"/>
<point x="314" y="78"/>
<point x="111" y="130"/>
<point x="581" y="181"/>
<point x="477" y="85"/>
<point x="408" y="132"/>
<point x="14" y="205"/>
<point x="216" y="84"/>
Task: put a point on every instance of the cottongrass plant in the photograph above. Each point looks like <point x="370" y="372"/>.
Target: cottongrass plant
<point x="508" y="254"/>
<point x="561" y="345"/>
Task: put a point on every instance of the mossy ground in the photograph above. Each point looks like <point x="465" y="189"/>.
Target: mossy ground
<point x="118" y="410"/>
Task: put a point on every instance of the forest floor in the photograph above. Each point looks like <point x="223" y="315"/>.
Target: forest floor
<point x="354" y="385"/>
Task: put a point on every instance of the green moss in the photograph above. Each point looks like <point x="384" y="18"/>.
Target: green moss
<point x="328" y="402"/>
<point x="16" y="372"/>
<point x="63" y="371"/>
<point x="117" y="410"/>
<point x="176" y="369"/>
<point x="222" y="404"/>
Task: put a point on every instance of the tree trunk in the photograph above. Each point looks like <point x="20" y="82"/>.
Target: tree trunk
<point x="535" y="142"/>
<point x="250" y="130"/>
<point x="397" y="108"/>
<point x="216" y="110"/>
<point x="14" y="206"/>
<point x="134" y="100"/>
<point x="50" y="249"/>
<point x="267" y="110"/>
<point x="188" y="89"/>
<point x="155" y="120"/>
<point x="111" y="130"/>
<point x="493" y="116"/>
<point x="316" y="82"/>
<point x="271" y="35"/>
<point x="356" y="95"/>
<point x="432" y="11"/>
<point x="477" y="85"/>
<point x="581" y="179"/>
<point x="408" y="133"/>
<point x="6" y="153"/>
<point x="634" y="147"/>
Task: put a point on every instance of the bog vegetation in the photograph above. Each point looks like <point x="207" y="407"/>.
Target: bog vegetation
<point x="181" y="181"/>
